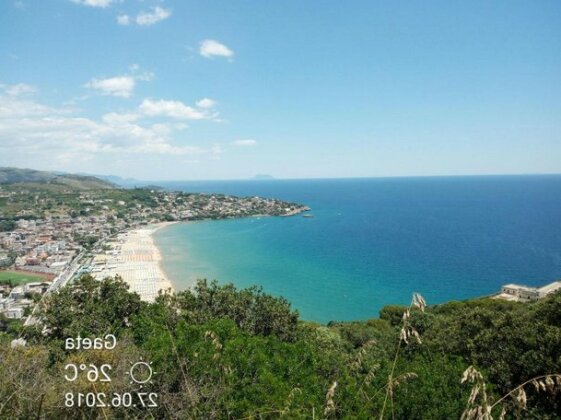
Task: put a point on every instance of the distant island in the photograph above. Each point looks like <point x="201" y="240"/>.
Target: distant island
<point x="263" y="177"/>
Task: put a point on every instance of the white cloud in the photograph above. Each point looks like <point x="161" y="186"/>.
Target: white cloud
<point x="14" y="107"/>
<point x="14" y="103"/>
<point x="173" y="109"/>
<point x="123" y="20"/>
<point x="217" y="150"/>
<point x="139" y="74"/>
<point x="121" y="86"/>
<point x="93" y="3"/>
<point x="156" y="15"/>
<point x="19" y="89"/>
<point x="115" y="118"/>
<point x="35" y="133"/>
<point x="145" y="18"/>
<point x="245" y="142"/>
<point x="210" y="48"/>
<point x="38" y="135"/>
<point x="180" y="126"/>
<point x="206" y="103"/>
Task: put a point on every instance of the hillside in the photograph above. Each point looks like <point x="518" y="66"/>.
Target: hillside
<point x="219" y="352"/>
<point x="30" y="176"/>
<point x="115" y="180"/>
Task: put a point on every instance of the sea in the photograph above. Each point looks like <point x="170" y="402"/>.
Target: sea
<point x="374" y="241"/>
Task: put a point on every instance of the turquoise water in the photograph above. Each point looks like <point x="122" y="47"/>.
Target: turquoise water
<point x="373" y="242"/>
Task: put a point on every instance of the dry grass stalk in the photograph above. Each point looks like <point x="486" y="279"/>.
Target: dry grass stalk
<point x="419" y="302"/>
<point x="329" y="400"/>
<point x="407" y="331"/>
<point x="404" y="377"/>
<point x="356" y="364"/>
<point x="289" y="400"/>
<point x="479" y="407"/>
<point x="215" y="342"/>
<point x="371" y="374"/>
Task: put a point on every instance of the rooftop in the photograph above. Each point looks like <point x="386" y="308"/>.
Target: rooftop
<point x="549" y="288"/>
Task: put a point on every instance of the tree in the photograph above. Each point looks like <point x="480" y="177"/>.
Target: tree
<point x="7" y="225"/>
<point x="251" y="309"/>
<point x="89" y="308"/>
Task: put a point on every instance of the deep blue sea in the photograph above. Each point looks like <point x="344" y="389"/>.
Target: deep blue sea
<point x="373" y="242"/>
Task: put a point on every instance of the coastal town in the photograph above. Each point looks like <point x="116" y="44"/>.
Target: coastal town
<point x="51" y="233"/>
<point x="54" y="235"/>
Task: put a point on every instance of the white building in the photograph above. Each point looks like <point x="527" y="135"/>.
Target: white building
<point x="5" y="303"/>
<point x="550" y="288"/>
<point x="520" y="293"/>
<point x="17" y="292"/>
<point x="15" y="312"/>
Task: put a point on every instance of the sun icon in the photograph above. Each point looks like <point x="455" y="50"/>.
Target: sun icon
<point x="141" y="372"/>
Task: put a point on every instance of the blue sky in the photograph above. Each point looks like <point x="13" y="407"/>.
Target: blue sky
<point x="296" y="89"/>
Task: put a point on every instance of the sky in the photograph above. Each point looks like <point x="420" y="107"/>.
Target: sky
<point x="181" y="90"/>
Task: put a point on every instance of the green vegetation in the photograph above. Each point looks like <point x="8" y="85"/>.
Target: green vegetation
<point x="14" y="278"/>
<point x="221" y="353"/>
<point x="37" y="201"/>
<point x="7" y="225"/>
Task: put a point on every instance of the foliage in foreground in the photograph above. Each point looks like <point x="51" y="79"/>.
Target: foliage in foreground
<point x="220" y="353"/>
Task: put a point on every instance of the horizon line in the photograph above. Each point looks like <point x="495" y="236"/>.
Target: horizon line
<point x="349" y="177"/>
<point x="130" y="179"/>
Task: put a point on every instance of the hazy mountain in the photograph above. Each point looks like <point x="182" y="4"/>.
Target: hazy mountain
<point x="117" y="180"/>
<point x="27" y="176"/>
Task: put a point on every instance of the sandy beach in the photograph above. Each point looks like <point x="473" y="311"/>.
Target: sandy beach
<point x="136" y="258"/>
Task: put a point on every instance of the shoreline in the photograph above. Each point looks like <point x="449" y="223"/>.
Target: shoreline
<point x="165" y="282"/>
<point x="171" y="279"/>
<point x="140" y="240"/>
<point x="137" y="260"/>
<point x="155" y="227"/>
<point x="160" y="262"/>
